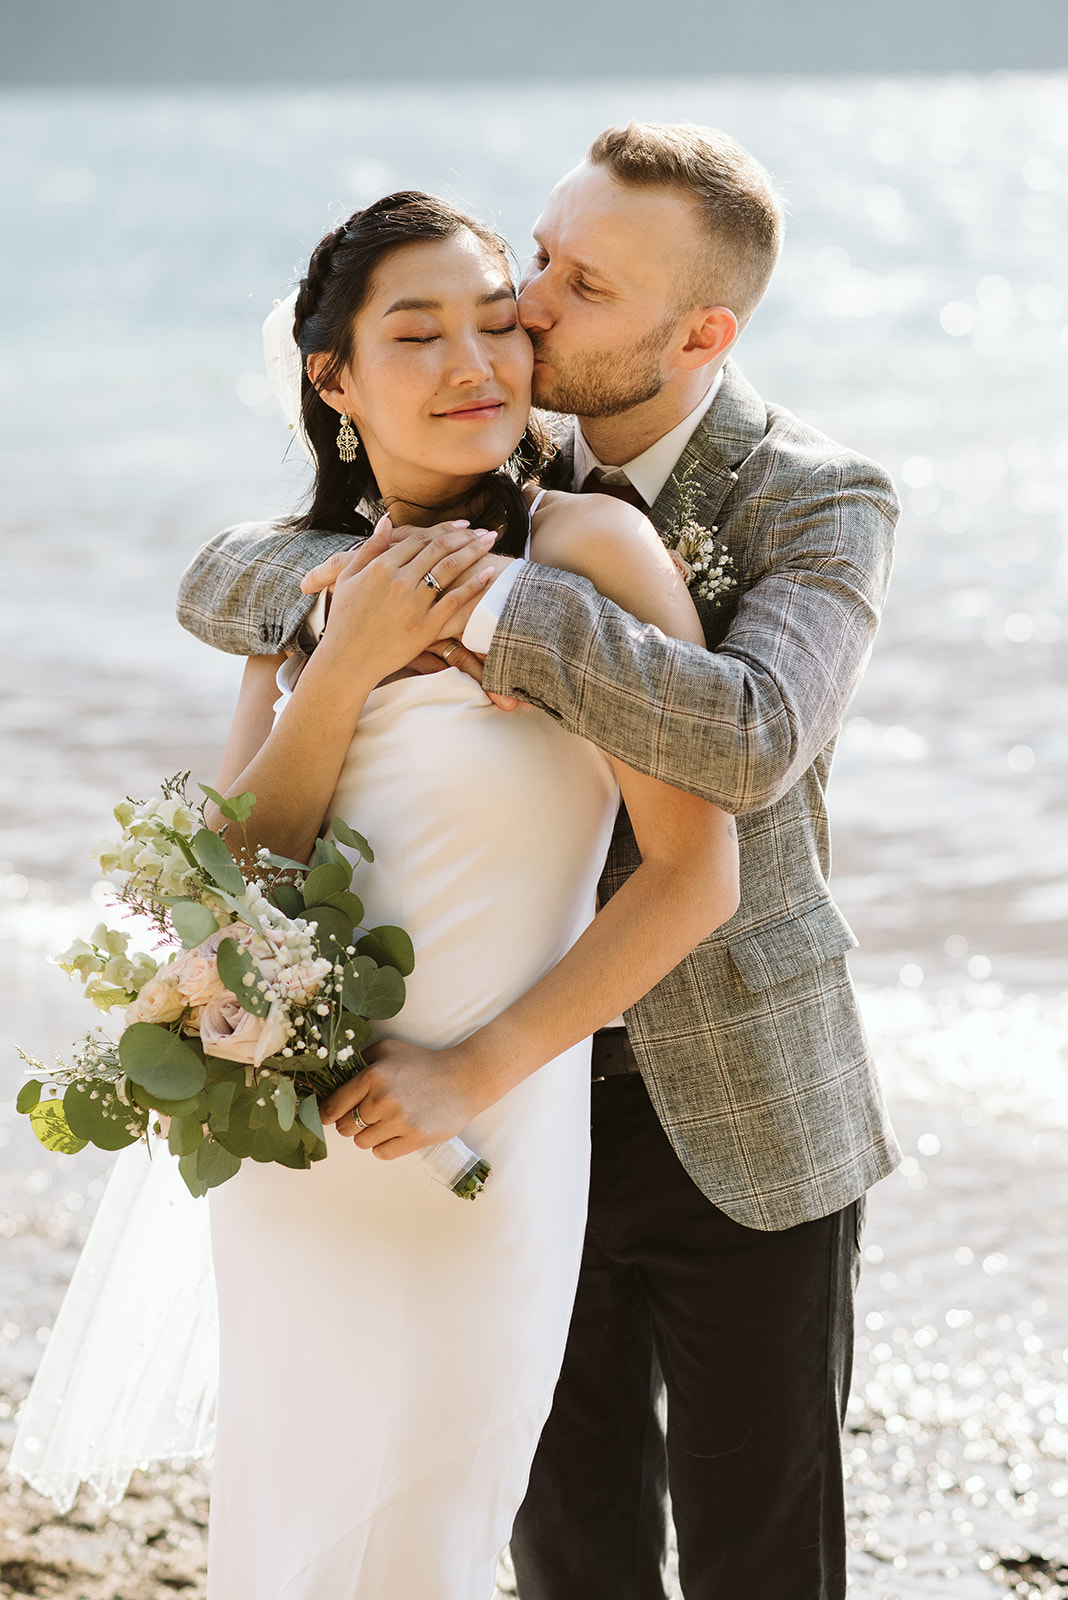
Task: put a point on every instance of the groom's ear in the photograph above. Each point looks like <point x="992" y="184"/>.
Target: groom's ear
<point x="711" y="332"/>
<point x="330" y="388"/>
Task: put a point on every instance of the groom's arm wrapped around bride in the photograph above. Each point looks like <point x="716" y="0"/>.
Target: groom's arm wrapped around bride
<point x="752" y="1049"/>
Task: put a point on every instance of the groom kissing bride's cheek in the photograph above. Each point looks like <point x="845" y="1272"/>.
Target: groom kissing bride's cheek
<point x="737" y="1121"/>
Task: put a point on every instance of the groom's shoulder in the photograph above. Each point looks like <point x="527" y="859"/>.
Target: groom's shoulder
<point x="780" y="455"/>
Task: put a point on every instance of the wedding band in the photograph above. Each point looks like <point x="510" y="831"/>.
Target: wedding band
<point x="431" y="582"/>
<point x="357" y="1119"/>
<point x="449" y="650"/>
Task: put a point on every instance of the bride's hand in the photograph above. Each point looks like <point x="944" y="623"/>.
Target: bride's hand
<point x="408" y="1098"/>
<point x="390" y="601"/>
<point x="326" y="574"/>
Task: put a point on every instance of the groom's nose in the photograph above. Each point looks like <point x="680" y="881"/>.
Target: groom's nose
<point x="534" y="308"/>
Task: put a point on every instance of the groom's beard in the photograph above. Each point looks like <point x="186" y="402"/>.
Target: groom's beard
<point x="605" y="382"/>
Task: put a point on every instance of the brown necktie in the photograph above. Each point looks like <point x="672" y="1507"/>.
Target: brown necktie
<point x="597" y="483"/>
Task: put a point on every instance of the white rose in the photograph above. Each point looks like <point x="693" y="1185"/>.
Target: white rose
<point x="159" y="1001"/>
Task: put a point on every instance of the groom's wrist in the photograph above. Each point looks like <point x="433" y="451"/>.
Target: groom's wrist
<point x="480" y="624"/>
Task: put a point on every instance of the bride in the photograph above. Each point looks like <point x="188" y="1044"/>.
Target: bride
<point x="388" y="1354"/>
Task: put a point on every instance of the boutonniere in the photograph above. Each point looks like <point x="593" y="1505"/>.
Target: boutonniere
<point x="703" y="561"/>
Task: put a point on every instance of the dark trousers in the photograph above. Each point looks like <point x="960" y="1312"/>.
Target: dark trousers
<point x="751" y="1335"/>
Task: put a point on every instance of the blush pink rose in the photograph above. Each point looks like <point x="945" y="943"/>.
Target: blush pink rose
<point x="233" y="1034"/>
<point x="158" y="1001"/>
<point x="195" y="971"/>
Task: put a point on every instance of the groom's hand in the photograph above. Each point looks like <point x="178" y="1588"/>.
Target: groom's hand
<point x="408" y="1097"/>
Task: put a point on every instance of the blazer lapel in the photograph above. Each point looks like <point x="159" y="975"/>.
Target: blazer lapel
<point x="727" y="434"/>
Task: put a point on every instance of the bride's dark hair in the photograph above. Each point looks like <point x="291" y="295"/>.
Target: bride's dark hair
<point x="336" y="286"/>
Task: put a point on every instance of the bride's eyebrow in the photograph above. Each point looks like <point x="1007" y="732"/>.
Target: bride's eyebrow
<point x="435" y="305"/>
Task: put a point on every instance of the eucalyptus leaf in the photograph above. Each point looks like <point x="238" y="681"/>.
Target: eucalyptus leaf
<point x="348" y="1022"/>
<point x="215" y="1165"/>
<point x="285" y="1101"/>
<point x="349" y="903"/>
<point x="217" y="861"/>
<point x="220" y="1097"/>
<point x="285" y="862"/>
<point x="192" y="922"/>
<point x="28" y="1096"/>
<point x="348" y="836"/>
<point x="159" y="1062"/>
<point x="309" y="1116"/>
<point x="53" y="1130"/>
<point x="94" y="1112"/>
<point x="328" y="879"/>
<point x="186" y="1135"/>
<point x="288" y="898"/>
<point x="235" y="967"/>
<point x="266" y="1143"/>
<point x="371" y="990"/>
<point x="298" y="1158"/>
<point x="326" y="850"/>
<point x="158" y="1102"/>
<point x="333" y="930"/>
<point x="390" y="947"/>
<point x="264" y="1112"/>
<point x="187" y="1169"/>
<point x="238" y="808"/>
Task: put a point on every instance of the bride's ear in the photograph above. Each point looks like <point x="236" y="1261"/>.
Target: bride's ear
<point x="330" y="389"/>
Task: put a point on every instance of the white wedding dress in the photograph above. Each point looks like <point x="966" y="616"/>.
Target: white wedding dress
<point x="387" y="1351"/>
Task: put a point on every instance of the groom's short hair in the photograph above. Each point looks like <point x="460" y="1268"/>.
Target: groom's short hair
<point x="737" y="203"/>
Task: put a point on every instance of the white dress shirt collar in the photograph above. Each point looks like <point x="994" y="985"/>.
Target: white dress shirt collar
<point x="651" y="470"/>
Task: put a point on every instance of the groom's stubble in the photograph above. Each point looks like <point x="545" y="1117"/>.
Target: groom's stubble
<point x="603" y="383"/>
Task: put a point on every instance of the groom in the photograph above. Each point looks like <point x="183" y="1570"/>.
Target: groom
<point x="737" y="1122"/>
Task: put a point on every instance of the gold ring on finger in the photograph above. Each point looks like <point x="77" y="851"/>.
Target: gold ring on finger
<point x="449" y="650"/>
<point x="357" y="1119"/>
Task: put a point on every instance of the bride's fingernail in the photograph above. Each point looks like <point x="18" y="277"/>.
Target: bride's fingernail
<point x="383" y="522"/>
<point x="486" y="536"/>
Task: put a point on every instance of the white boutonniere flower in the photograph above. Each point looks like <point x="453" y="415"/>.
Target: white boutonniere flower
<point x="703" y="561"/>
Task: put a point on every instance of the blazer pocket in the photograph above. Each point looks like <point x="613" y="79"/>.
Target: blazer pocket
<point x="784" y="949"/>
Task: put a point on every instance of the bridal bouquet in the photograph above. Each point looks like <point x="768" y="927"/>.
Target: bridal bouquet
<point x="258" y="1011"/>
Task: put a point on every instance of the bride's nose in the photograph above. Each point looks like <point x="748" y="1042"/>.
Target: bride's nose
<point x="470" y="362"/>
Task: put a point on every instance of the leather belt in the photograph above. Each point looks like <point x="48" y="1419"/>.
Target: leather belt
<point x="612" y="1055"/>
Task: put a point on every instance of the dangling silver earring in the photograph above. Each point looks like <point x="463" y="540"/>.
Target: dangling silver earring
<point x="348" y="440"/>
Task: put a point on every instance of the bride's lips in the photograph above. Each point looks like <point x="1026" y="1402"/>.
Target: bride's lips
<point x="474" y="411"/>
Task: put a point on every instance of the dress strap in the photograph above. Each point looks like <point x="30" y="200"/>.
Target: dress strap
<point x="534" y="504"/>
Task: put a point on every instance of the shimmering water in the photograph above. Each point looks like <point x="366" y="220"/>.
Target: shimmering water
<point x="921" y="314"/>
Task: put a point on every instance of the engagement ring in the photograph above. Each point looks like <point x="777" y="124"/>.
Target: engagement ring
<point x="431" y="582"/>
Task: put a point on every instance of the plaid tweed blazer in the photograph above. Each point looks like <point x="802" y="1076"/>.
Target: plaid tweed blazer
<point x="752" y="1049"/>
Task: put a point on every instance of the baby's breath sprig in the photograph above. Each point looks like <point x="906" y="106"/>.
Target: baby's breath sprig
<point x="703" y="560"/>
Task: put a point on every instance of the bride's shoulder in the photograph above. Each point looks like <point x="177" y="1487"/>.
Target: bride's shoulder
<point x="563" y="523"/>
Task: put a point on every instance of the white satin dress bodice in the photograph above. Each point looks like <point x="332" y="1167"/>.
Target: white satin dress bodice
<point x="388" y="1351"/>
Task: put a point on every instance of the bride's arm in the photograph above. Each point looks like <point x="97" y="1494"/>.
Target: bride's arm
<point x="685" y="887"/>
<point x="381" y="617"/>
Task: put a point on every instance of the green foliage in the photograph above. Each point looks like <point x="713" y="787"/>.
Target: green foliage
<point x="95" y="1113"/>
<point x="217" y="862"/>
<point x="185" y="1136"/>
<point x="333" y="930"/>
<point x="159" y="1062"/>
<point x="349" y="836"/>
<point x="192" y="922"/>
<point x="349" y="903"/>
<point x="28" y="1096"/>
<point x="331" y="878"/>
<point x="235" y="966"/>
<point x="288" y="898"/>
<point x="237" y="809"/>
<point x="371" y="990"/>
<point x="220" y="1097"/>
<point x="285" y="1103"/>
<point x="390" y="947"/>
<point x="286" y="863"/>
<point x="53" y="1130"/>
<point x="326" y="850"/>
<point x="348" y="1022"/>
